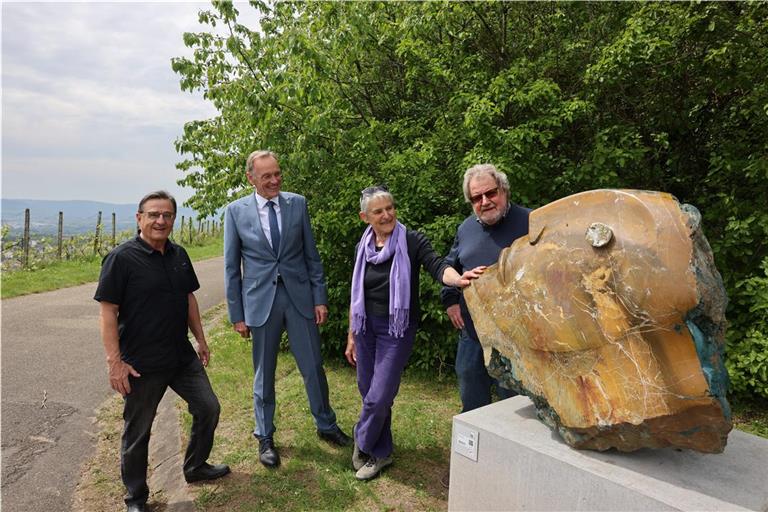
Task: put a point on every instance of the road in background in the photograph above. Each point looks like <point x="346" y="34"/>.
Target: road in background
<point x="54" y="378"/>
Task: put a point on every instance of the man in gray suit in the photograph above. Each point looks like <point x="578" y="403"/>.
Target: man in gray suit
<point x="274" y="280"/>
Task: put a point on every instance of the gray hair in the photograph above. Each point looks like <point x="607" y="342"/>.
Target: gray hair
<point x="374" y="193"/>
<point x="257" y="155"/>
<point x="485" y="169"/>
<point x="157" y="194"/>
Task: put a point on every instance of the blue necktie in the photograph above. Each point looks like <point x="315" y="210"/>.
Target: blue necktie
<point x="274" y="231"/>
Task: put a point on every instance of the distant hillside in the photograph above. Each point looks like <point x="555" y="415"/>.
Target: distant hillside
<point x="79" y="216"/>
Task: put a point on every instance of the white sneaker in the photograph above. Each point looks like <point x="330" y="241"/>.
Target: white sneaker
<point x="358" y="458"/>
<point x="372" y="468"/>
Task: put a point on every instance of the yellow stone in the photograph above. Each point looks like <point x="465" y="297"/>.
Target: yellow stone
<point x="610" y="315"/>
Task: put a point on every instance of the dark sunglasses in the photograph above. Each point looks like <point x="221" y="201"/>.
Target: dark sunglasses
<point x="369" y="191"/>
<point x="489" y="194"/>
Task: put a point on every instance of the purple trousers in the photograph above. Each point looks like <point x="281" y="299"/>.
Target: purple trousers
<point x="381" y="359"/>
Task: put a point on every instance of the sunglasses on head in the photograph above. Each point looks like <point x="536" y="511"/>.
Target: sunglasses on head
<point x="369" y="191"/>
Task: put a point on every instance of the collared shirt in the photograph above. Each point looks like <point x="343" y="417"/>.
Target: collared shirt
<point x="263" y="208"/>
<point x="151" y="289"/>
<point x="506" y="211"/>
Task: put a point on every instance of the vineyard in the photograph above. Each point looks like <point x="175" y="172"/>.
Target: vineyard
<point x="33" y="251"/>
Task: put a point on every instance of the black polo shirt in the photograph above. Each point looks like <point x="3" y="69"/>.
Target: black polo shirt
<point x="151" y="289"/>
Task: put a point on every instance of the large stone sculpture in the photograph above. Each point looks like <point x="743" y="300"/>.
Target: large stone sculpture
<point x="610" y="316"/>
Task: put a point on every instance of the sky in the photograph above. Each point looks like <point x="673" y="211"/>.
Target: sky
<point x="90" y="105"/>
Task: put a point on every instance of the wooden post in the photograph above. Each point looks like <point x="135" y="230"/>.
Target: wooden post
<point x="98" y="235"/>
<point x="114" y="230"/>
<point x="181" y="236"/>
<point x="25" y="239"/>
<point x="199" y="226"/>
<point x="61" y="235"/>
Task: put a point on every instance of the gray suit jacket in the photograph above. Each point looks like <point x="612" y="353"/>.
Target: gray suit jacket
<point x="251" y="267"/>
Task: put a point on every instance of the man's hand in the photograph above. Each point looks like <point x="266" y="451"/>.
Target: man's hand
<point x="454" y="313"/>
<point x="349" y="353"/>
<point x="118" y="376"/>
<point x="321" y="314"/>
<point x="203" y="352"/>
<point x="242" y="329"/>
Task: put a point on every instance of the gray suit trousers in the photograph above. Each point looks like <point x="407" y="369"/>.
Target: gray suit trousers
<point x="304" y="342"/>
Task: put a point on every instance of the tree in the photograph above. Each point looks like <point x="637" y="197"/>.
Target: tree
<point x="563" y="97"/>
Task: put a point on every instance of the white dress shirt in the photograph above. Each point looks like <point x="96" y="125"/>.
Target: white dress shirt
<point x="263" y="208"/>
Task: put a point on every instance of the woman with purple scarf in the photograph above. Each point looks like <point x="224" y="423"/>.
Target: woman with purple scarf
<point x="383" y="315"/>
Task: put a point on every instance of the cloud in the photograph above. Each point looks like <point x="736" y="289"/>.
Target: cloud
<point x="88" y="89"/>
<point x="86" y="99"/>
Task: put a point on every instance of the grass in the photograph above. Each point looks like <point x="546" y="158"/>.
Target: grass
<point x="57" y="275"/>
<point x="315" y="475"/>
<point x="100" y="488"/>
<point x="74" y="272"/>
<point x="751" y="416"/>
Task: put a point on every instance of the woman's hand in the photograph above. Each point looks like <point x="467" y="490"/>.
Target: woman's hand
<point x="467" y="277"/>
<point x="349" y="353"/>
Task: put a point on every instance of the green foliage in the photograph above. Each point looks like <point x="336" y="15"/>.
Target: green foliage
<point x="748" y="353"/>
<point x="563" y="97"/>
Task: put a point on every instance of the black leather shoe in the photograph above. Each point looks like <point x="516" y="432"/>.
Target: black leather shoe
<point x="268" y="453"/>
<point x="206" y="472"/>
<point x="335" y="436"/>
<point x="137" y="507"/>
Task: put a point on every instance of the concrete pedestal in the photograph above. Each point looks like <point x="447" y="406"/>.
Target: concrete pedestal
<point x="522" y="465"/>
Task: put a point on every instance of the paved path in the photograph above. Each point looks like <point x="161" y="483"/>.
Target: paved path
<point x="53" y="379"/>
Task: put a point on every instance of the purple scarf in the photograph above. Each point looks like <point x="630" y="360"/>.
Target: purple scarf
<point x="399" y="279"/>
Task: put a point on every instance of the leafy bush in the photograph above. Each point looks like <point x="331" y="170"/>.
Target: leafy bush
<point x="748" y="351"/>
<point x="563" y="97"/>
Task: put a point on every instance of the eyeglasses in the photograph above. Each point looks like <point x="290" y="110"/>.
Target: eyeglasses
<point x="369" y="191"/>
<point x="156" y="215"/>
<point x="488" y="194"/>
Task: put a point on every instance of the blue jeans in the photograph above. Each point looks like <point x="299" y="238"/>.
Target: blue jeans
<point x="381" y="359"/>
<point x="474" y="382"/>
<point x="191" y="383"/>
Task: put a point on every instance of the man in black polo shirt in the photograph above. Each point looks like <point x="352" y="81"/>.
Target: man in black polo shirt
<point x="147" y="306"/>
